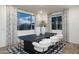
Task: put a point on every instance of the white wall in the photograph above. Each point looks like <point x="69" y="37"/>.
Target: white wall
<point x="73" y="24"/>
<point x="26" y="32"/>
<point x="2" y="26"/>
<point x="57" y="31"/>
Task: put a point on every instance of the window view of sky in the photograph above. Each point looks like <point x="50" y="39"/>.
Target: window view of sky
<point x="25" y="21"/>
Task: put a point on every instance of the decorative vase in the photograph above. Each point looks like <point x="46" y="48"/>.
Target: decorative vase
<point x="43" y="30"/>
<point x="37" y="31"/>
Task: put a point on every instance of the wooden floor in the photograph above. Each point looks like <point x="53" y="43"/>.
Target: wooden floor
<point x="3" y="50"/>
<point x="69" y="48"/>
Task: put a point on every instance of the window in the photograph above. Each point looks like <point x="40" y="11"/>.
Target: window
<point x="25" y="21"/>
<point x="57" y="22"/>
<point x="33" y="22"/>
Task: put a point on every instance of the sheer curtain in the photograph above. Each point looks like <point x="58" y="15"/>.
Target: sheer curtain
<point x="64" y="25"/>
<point x="11" y="15"/>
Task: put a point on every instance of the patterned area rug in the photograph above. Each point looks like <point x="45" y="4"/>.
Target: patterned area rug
<point x="57" y="49"/>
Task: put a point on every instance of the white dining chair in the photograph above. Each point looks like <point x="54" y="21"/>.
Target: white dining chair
<point x="42" y="46"/>
<point x="45" y="42"/>
<point x="54" y="40"/>
<point x="60" y="36"/>
<point x="37" y="47"/>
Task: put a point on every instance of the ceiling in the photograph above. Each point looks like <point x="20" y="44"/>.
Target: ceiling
<point x="47" y="8"/>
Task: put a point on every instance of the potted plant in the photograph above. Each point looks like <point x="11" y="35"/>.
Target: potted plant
<point x="42" y="27"/>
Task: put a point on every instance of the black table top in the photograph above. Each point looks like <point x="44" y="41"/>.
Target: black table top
<point x="33" y="37"/>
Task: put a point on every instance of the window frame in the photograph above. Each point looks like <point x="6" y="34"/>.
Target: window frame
<point x="26" y="12"/>
<point x="57" y="22"/>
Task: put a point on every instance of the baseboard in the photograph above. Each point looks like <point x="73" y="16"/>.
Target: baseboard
<point x="73" y="42"/>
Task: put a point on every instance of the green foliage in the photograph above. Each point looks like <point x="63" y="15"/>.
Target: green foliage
<point x="42" y="24"/>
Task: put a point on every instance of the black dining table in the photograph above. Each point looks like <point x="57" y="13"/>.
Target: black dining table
<point x="28" y="39"/>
